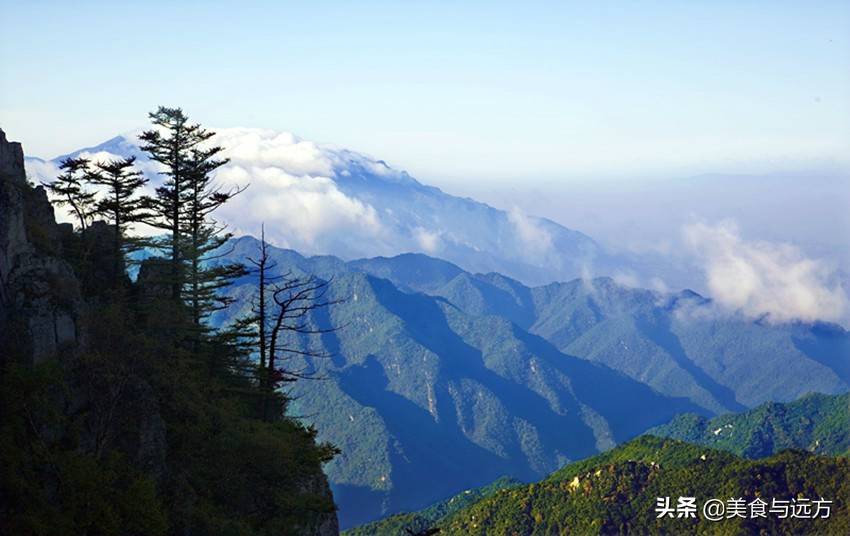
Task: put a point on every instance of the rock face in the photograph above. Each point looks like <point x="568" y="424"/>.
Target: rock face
<point x="40" y="302"/>
<point x="326" y="524"/>
<point x="11" y="157"/>
<point x="13" y="239"/>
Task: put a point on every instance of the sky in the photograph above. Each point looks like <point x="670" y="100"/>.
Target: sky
<point x="715" y="131"/>
<point x="479" y="93"/>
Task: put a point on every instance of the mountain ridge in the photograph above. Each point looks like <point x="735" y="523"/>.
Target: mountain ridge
<point x="618" y="491"/>
<point x="425" y="364"/>
<point x="816" y="422"/>
<point x="415" y="382"/>
<point x="689" y="444"/>
<point x="323" y="199"/>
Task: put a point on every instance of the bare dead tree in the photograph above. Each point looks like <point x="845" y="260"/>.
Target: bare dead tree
<point x="281" y="325"/>
<point x="295" y="300"/>
<point x="264" y="266"/>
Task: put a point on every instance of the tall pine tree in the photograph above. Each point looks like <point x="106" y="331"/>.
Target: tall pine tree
<point x="121" y="205"/>
<point x="184" y="204"/>
<point x="170" y="143"/>
<point x="205" y="237"/>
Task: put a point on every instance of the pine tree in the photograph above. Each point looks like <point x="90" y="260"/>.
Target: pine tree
<point x="170" y="144"/>
<point x="184" y="205"/>
<point x="204" y="236"/>
<point x="121" y="204"/>
<point x="69" y="190"/>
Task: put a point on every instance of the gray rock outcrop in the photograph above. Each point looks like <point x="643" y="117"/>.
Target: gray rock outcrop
<point x="40" y="302"/>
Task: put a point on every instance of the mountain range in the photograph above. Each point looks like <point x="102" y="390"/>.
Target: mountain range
<point x="817" y="423"/>
<point x="618" y="493"/>
<point x="323" y="199"/>
<point x="417" y="386"/>
<point x="436" y="370"/>
<point x="507" y="355"/>
<point x="603" y="489"/>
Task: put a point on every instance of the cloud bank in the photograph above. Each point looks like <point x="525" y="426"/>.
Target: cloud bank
<point x="298" y="210"/>
<point x="292" y="189"/>
<point x="764" y="279"/>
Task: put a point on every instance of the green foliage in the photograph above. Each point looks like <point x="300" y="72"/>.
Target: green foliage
<point x="417" y="386"/>
<point x="137" y="437"/>
<point x="69" y="189"/>
<point x="613" y="492"/>
<point x="153" y="423"/>
<point x="616" y="492"/>
<point x="183" y="206"/>
<point x="431" y="516"/>
<point x="817" y="423"/>
<point x="51" y="482"/>
<point x="671" y="342"/>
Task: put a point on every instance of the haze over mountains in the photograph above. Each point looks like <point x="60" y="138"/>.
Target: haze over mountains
<point x="478" y="376"/>
<point x="323" y="199"/>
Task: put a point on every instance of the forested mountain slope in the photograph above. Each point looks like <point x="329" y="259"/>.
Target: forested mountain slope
<point x="415" y="386"/>
<point x="617" y="493"/>
<point x="678" y="343"/>
<point x="612" y="492"/>
<point x="478" y="376"/>
<point x="816" y="423"/>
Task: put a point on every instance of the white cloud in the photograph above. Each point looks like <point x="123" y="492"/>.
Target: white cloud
<point x="429" y="241"/>
<point x="626" y="279"/>
<point x="298" y="210"/>
<point x="322" y="199"/>
<point x="39" y="171"/>
<point x="535" y="239"/>
<point x="291" y="190"/>
<point x="765" y="279"/>
<point x="267" y="148"/>
<point x="658" y="285"/>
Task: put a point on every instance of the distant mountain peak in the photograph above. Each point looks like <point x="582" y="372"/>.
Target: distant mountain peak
<point x="324" y="199"/>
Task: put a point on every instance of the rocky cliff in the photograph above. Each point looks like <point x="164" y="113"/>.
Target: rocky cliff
<point x="40" y="301"/>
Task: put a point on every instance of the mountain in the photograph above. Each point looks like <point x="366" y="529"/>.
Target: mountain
<point x="473" y="376"/>
<point x="322" y="199"/>
<point x="617" y="493"/>
<point x="417" y="387"/>
<point x="678" y="343"/>
<point x="817" y="423"/>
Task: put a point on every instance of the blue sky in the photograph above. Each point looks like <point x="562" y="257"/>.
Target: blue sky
<point x="479" y="92"/>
